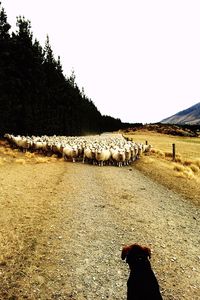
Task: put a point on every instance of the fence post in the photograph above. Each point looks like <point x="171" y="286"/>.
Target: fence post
<point x="173" y="151"/>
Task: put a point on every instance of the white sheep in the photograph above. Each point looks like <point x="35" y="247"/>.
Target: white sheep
<point x="89" y="154"/>
<point x="147" y="148"/>
<point x="70" y="152"/>
<point x="118" y="156"/>
<point x="127" y="155"/>
<point x="102" y="156"/>
<point x="97" y="149"/>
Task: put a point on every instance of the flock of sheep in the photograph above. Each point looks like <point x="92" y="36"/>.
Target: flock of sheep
<point x="104" y="149"/>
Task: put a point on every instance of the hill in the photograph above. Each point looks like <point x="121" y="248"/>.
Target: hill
<point x="190" y="116"/>
<point x="170" y="129"/>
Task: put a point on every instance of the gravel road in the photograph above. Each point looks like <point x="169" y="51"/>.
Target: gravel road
<point x="82" y="216"/>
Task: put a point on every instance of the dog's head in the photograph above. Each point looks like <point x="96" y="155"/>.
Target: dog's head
<point x="135" y="253"/>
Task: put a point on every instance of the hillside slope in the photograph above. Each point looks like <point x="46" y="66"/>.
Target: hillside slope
<point x="190" y="115"/>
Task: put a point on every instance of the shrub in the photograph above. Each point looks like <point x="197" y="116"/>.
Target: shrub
<point x="168" y="154"/>
<point x="197" y="163"/>
<point x="187" y="162"/>
<point x="194" y="168"/>
<point x="179" y="168"/>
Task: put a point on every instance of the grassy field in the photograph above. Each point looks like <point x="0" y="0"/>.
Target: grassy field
<point x="183" y="174"/>
<point x="186" y="147"/>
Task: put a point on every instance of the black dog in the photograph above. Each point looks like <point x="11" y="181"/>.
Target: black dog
<point x="142" y="283"/>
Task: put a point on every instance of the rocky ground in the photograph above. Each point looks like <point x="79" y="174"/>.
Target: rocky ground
<point x="63" y="226"/>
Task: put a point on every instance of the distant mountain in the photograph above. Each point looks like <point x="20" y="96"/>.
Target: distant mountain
<point x="189" y="116"/>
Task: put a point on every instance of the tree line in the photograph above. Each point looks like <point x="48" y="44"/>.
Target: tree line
<point x="35" y="96"/>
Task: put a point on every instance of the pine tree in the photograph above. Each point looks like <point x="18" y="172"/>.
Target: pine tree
<point x="4" y="26"/>
<point x="49" y="57"/>
<point x="4" y="68"/>
<point x="72" y="79"/>
<point x="35" y="96"/>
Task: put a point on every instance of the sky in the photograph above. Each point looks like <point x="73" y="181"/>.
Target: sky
<point x="137" y="60"/>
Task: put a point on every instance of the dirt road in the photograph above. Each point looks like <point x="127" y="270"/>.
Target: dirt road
<point x="63" y="225"/>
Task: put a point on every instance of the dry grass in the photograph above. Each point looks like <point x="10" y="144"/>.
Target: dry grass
<point x="178" y="168"/>
<point x="197" y="163"/>
<point x="185" y="146"/>
<point x="194" y="168"/>
<point x="20" y="161"/>
<point x="9" y="152"/>
<point x="8" y="155"/>
<point x="187" y="149"/>
<point x="29" y="155"/>
<point x="41" y="160"/>
<point x="182" y="174"/>
<point x="2" y="161"/>
<point x="22" y="220"/>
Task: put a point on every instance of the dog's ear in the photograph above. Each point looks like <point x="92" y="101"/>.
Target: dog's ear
<point x="125" y="251"/>
<point x="147" y="251"/>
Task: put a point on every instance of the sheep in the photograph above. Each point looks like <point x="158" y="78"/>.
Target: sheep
<point x="57" y="149"/>
<point x="134" y="152"/>
<point x="39" y="146"/>
<point x="98" y="149"/>
<point x="17" y="141"/>
<point x="102" y="155"/>
<point x="70" y="152"/>
<point x="89" y="155"/>
<point x="22" y="143"/>
<point x="147" y="148"/>
<point x="140" y="150"/>
<point x="127" y="156"/>
<point x="118" y="157"/>
<point x="27" y="144"/>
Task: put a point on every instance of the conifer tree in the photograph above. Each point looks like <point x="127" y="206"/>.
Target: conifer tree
<point x="4" y="25"/>
<point x="4" y="68"/>
<point x="35" y="96"/>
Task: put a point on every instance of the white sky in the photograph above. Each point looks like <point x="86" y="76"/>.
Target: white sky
<point x="138" y="60"/>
